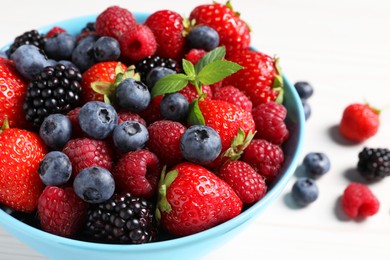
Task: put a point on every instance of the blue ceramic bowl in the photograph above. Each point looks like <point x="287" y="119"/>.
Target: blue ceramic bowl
<point x="193" y="246"/>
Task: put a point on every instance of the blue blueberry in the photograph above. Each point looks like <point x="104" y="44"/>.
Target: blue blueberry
<point x="304" y="191"/>
<point x="97" y="119"/>
<point x="55" y="168"/>
<point x="56" y="130"/>
<point x="60" y="46"/>
<point x="316" y="164"/>
<point x="306" y="108"/>
<point x="203" y="37"/>
<point x="29" y="60"/>
<point x="132" y="95"/>
<point x="156" y="74"/>
<point x="83" y="55"/>
<point x="130" y="136"/>
<point x="94" y="184"/>
<point x="174" y="107"/>
<point x="200" y="144"/>
<point x="304" y="89"/>
<point x="106" y="49"/>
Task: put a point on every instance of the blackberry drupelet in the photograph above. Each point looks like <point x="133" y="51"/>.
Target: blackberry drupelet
<point x="55" y="90"/>
<point x="89" y="27"/>
<point x="123" y="219"/>
<point x="32" y="37"/>
<point x="151" y="62"/>
<point x="374" y="163"/>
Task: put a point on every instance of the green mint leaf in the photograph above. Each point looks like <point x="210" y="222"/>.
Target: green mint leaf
<point x="195" y="116"/>
<point x="169" y="84"/>
<point x="216" y="54"/>
<point x="189" y="69"/>
<point x="217" y="71"/>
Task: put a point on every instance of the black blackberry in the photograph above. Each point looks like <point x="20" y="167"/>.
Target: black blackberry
<point x="124" y="219"/>
<point x="89" y="27"/>
<point x="55" y="90"/>
<point x="374" y="163"/>
<point x="144" y="66"/>
<point x="32" y="37"/>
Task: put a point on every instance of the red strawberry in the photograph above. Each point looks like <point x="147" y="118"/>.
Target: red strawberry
<point x="245" y="181"/>
<point x="12" y="91"/>
<point x="54" y="31"/>
<point x="265" y="157"/>
<point x="61" y="211"/>
<point x="137" y="43"/>
<point x="21" y="152"/>
<point x="233" y="95"/>
<point x="103" y="74"/>
<point x="359" y="122"/>
<point x="164" y="141"/>
<point x="260" y="78"/>
<point x="114" y="21"/>
<point x="194" y="55"/>
<point x="227" y="119"/>
<point x="168" y="29"/>
<point x="138" y="173"/>
<point x="193" y="199"/>
<point x="190" y="92"/>
<point x="86" y="152"/>
<point x="269" y="120"/>
<point x="233" y="32"/>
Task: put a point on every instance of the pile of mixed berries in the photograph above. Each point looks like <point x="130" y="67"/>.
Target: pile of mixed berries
<point x="130" y="130"/>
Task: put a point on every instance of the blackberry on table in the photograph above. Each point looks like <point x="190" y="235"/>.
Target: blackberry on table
<point x="123" y="219"/>
<point x="55" y="90"/>
<point x="374" y="163"/>
<point x="32" y="37"/>
<point x="144" y="66"/>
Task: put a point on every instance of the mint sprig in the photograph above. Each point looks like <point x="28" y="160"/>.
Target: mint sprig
<point x="211" y="68"/>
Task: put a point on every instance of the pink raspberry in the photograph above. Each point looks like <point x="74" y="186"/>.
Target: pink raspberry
<point x="194" y="55"/>
<point x="114" y="21"/>
<point x="130" y="116"/>
<point x="190" y="92"/>
<point x="359" y="201"/>
<point x="233" y="95"/>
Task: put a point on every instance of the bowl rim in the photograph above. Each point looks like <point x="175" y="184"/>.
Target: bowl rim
<point x="9" y="221"/>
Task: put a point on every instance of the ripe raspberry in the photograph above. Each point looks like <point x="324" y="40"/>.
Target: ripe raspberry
<point x="245" y="181"/>
<point x="130" y="116"/>
<point x="358" y="201"/>
<point x="114" y="21"/>
<point x="138" y="173"/>
<point x="233" y="95"/>
<point x="54" y="31"/>
<point x="265" y="157"/>
<point x="374" y="163"/>
<point x="152" y="112"/>
<point x="194" y="55"/>
<point x="61" y="211"/>
<point x="359" y="122"/>
<point x="73" y="117"/>
<point x="269" y="120"/>
<point x="137" y="43"/>
<point x="190" y="92"/>
<point x="86" y="152"/>
<point x="164" y="141"/>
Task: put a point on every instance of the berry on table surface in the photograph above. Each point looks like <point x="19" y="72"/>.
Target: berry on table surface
<point x="304" y="191"/>
<point x="305" y="89"/>
<point x="56" y="130"/>
<point x="358" y="201"/>
<point x="374" y="163"/>
<point x="55" y="168"/>
<point x="130" y="136"/>
<point x="359" y="122"/>
<point x="94" y="184"/>
<point x="316" y="164"/>
<point x="124" y="219"/>
<point x="306" y="109"/>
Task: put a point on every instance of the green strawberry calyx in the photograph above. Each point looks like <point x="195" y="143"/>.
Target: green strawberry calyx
<point x="5" y="125"/>
<point x="239" y="144"/>
<point x="165" y="181"/>
<point x="107" y="89"/>
<point x="278" y="83"/>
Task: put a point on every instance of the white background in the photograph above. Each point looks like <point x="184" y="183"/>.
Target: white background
<point x="343" y="48"/>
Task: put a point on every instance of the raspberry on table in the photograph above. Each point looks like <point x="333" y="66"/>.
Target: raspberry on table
<point x="359" y="201"/>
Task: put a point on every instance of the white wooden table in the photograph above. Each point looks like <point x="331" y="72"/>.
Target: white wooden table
<point x="343" y="48"/>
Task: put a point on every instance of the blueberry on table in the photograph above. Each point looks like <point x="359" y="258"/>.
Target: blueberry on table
<point x="316" y="164"/>
<point x="130" y="136"/>
<point x="56" y="130"/>
<point x="203" y="37"/>
<point x="306" y="108"/>
<point x="304" y="191"/>
<point x="174" y="107"/>
<point x="106" y="49"/>
<point x="132" y="95"/>
<point x="97" y="119"/>
<point x="200" y="144"/>
<point x="55" y="169"/>
<point x="94" y="184"/>
<point x="304" y="89"/>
